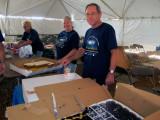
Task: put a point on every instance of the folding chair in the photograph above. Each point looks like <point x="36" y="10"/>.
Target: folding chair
<point x="137" y="70"/>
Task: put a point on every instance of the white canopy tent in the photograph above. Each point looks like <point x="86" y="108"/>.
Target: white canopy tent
<point x="135" y="21"/>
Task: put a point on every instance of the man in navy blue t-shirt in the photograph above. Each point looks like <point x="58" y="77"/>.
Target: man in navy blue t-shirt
<point x="2" y="55"/>
<point x="31" y="37"/>
<point x="67" y="44"/>
<point x="99" y="48"/>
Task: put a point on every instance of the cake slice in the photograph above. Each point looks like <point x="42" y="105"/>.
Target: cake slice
<point x="29" y="65"/>
<point x="38" y="64"/>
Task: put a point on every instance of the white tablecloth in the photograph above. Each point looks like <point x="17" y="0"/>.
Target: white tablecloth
<point x="29" y="84"/>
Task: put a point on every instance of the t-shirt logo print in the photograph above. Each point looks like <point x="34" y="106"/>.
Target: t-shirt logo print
<point x="61" y="41"/>
<point x="29" y="37"/>
<point x="92" y="46"/>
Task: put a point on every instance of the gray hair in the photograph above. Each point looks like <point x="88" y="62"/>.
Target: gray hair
<point x="28" y="23"/>
<point x="68" y="18"/>
<point x="94" y="4"/>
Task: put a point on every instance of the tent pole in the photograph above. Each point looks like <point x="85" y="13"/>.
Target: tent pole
<point x="65" y="8"/>
<point x="49" y="8"/>
<point x="123" y="32"/>
<point x="123" y="23"/>
<point x="109" y="8"/>
<point x="5" y="31"/>
<point x="124" y="11"/>
<point x="43" y="26"/>
<point x="7" y="7"/>
<point x="74" y="8"/>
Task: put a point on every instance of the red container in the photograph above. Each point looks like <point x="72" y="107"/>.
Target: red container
<point x="15" y="51"/>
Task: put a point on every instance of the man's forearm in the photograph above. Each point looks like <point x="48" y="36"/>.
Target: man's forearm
<point x="113" y="62"/>
<point x="71" y="53"/>
<point x="26" y="43"/>
<point x="21" y="41"/>
<point x="78" y="54"/>
<point x="2" y="53"/>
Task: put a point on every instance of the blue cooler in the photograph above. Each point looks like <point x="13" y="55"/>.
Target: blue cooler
<point x="158" y="48"/>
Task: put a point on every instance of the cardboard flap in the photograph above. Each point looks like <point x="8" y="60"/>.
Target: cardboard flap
<point x="30" y="111"/>
<point x="65" y="87"/>
<point x="67" y="105"/>
<point x="123" y="60"/>
<point x="142" y="102"/>
<point x="154" y="116"/>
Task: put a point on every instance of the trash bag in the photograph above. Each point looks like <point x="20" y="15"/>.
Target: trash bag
<point x="25" y="51"/>
<point x="48" y="53"/>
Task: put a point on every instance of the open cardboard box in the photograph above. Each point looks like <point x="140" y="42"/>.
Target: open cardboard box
<point x="30" y="111"/>
<point x="18" y="66"/>
<point x="89" y="92"/>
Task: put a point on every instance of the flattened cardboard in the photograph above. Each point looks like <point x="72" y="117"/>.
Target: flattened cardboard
<point x="154" y="116"/>
<point x="142" y="102"/>
<point x="65" y="87"/>
<point x="18" y="66"/>
<point x="67" y="105"/>
<point x="37" y="111"/>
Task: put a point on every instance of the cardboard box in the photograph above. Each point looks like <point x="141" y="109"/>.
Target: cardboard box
<point x="89" y="92"/>
<point x="18" y="66"/>
<point x="144" y="103"/>
<point x="35" y="111"/>
<point x="154" y="116"/>
<point x="30" y="83"/>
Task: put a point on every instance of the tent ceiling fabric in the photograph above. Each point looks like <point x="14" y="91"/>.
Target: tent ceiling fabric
<point x="76" y="8"/>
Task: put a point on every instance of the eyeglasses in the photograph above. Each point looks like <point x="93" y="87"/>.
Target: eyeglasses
<point x="25" y="26"/>
<point x="91" y="14"/>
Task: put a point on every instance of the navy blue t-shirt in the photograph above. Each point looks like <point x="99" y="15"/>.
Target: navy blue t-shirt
<point x="98" y="43"/>
<point x="37" y="44"/>
<point x="1" y="37"/>
<point x="65" y="42"/>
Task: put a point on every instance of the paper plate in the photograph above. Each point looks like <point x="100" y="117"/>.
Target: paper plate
<point x="8" y="56"/>
<point x="48" y="46"/>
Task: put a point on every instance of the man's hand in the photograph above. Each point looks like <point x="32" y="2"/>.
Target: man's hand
<point x="59" y="61"/>
<point x="2" y="68"/>
<point x="16" y="45"/>
<point x="109" y="79"/>
<point x="65" y="62"/>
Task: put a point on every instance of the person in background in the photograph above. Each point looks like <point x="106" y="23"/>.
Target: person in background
<point x="67" y="44"/>
<point x="2" y="55"/>
<point x="99" y="48"/>
<point x="31" y="37"/>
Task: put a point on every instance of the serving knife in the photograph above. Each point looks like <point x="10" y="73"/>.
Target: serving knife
<point x="54" y="106"/>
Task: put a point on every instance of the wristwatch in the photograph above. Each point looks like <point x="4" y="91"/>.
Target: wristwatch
<point x="111" y="71"/>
